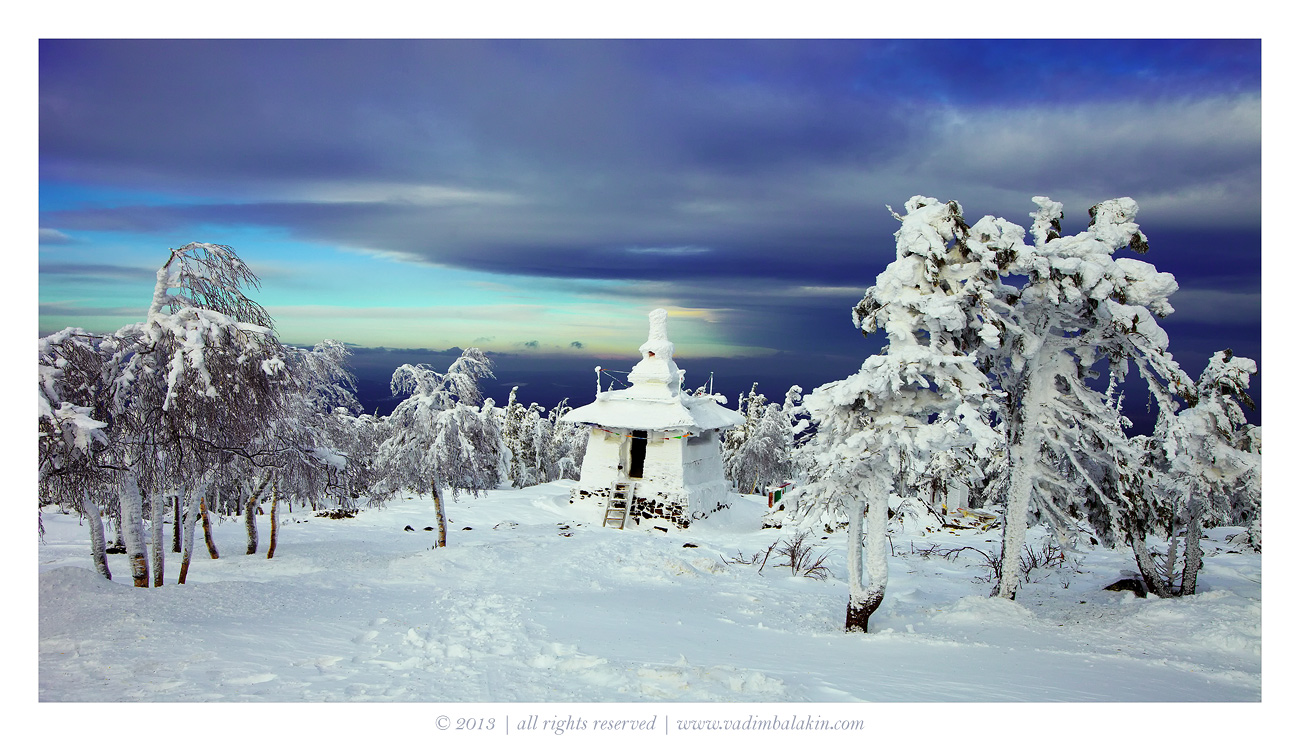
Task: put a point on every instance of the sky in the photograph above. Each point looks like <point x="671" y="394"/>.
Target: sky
<point x="538" y="198"/>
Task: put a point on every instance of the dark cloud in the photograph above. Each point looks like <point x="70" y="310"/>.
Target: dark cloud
<point x="746" y="177"/>
<point x="641" y="159"/>
<point x="576" y="344"/>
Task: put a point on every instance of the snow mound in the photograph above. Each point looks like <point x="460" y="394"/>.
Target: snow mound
<point x="972" y="610"/>
<point x="1220" y="621"/>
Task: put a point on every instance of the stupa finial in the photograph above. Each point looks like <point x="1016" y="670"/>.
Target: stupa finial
<point x="657" y="366"/>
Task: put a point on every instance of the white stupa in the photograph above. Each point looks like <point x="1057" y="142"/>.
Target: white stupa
<point x="654" y="457"/>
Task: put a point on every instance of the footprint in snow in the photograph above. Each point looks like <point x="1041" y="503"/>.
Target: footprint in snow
<point x="252" y="679"/>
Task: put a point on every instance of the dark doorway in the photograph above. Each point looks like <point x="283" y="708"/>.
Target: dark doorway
<point x="638" y="454"/>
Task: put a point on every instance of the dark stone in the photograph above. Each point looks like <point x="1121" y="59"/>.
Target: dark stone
<point x="409" y="529"/>
<point x="1132" y="584"/>
<point x="467" y="528"/>
<point x="337" y="514"/>
<point x="689" y="545"/>
<point x="427" y="528"/>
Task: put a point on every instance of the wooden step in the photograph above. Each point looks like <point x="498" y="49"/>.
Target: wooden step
<point x="616" y="509"/>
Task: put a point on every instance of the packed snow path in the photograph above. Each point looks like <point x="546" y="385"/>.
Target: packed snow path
<point x="533" y="602"/>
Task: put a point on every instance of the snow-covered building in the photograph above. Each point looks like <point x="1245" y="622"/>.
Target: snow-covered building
<point x="654" y="457"/>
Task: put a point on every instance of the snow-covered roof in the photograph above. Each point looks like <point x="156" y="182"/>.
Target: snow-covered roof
<point x="655" y="400"/>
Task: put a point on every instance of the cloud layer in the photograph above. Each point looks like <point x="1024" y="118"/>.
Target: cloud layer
<point x="745" y="178"/>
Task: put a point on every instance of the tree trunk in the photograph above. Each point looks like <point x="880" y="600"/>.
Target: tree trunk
<point x="131" y="506"/>
<point x="275" y="519"/>
<point x="1147" y="567"/>
<point x="442" y="515"/>
<point x="1015" y="523"/>
<point x="192" y="496"/>
<point x="1192" y="550"/>
<point x="1023" y="453"/>
<point x="157" y="513"/>
<point x="97" y="544"/>
<point x="856" y="619"/>
<point x="116" y="516"/>
<point x="207" y="527"/>
<point x="1171" y="556"/>
<point x="176" y="523"/>
<point x="250" y="517"/>
<point x="864" y="601"/>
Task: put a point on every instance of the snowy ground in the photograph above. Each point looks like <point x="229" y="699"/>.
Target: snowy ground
<point x="534" y="602"/>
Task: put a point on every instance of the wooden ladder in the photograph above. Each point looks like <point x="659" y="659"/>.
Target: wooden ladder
<point x="620" y="500"/>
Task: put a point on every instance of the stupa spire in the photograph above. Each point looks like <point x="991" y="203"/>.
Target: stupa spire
<point x="657" y="367"/>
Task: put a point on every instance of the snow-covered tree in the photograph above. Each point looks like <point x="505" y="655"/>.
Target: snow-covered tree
<point x="198" y="380"/>
<point x="539" y="447"/>
<point x="176" y="394"/>
<point x="436" y="435"/>
<point x="305" y="453"/>
<point x="761" y="452"/>
<point x="763" y="457"/>
<point x="751" y="406"/>
<point x="1080" y="311"/>
<point x="516" y="439"/>
<point x="75" y="462"/>
<point x="923" y="394"/>
<point x="1212" y="464"/>
<point x="568" y="443"/>
<point x="801" y="427"/>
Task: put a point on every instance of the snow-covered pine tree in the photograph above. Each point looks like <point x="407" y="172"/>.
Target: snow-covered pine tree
<point x="801" y="427"/>
<point x="763" y="458"/>
<point x="1214" y="466"/>
<point x="750" y="405"/>
<point x="569" y="443"/>
<point x="1080" y="309"/>
<point x="922" y="394"/>
<point x="514" y="416"/>
<point x="537" y="446"/>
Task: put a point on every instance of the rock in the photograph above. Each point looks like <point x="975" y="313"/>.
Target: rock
<point x="337" y="514"/>
<point x="1130" y="583"/>
<point x="409" y="529"/>
<point x="689" y="545"/>
<point x="430" y="528"/>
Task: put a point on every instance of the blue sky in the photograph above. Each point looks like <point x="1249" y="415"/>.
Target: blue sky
<point x="539" y="198"/>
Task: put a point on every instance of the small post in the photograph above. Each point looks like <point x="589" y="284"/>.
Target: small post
<point x="598" y="380"/>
